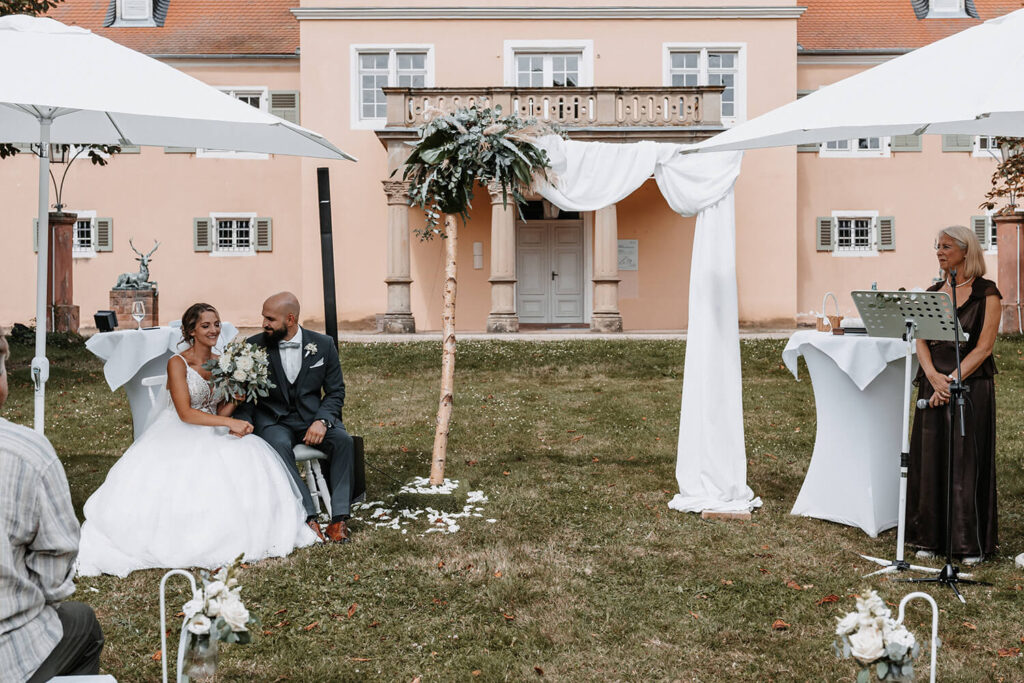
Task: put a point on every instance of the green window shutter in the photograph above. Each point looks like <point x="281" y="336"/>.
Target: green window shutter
<point x="264" y="234"/>
<point x="906" y="143"/>
<point x="957" y="143"/>
<point x="104" y="234"/>
<point x="981" y="226"/>
<point x="130" y="149"/>
<point x="179" y="150"/>
<point x="35" y="235"/>
<point x="285" y="104"/>
<point x="825" y="236"/>
<point x="202" y="234"/>
<point x="886" y="233"/>
<point x="807" y="146"/>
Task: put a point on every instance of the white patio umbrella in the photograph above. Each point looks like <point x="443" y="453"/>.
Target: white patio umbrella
<point x="971" y="83"/>
<point x="65" y="85"/>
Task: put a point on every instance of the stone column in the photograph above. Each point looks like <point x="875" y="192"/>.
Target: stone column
<point x="503" y="316"/>
<point x="62" y="315"/>
<point x="398" y="318"/>
<point x="606" y="317"/>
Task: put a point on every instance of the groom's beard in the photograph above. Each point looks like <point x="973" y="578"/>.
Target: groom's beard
<point x="272" y="337"/>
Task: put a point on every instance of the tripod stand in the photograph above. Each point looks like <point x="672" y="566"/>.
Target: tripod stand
<point x="950" y="574"/>
<point x="908" y="316"/>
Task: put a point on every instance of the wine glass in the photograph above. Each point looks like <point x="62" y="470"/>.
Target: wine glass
<point x="138" y="312"/>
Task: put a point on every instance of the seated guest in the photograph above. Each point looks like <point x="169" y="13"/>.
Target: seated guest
<point x="41" y="636"/>
<point x="974" y="472"/>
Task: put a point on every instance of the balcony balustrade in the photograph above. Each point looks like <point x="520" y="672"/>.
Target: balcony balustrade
<point x="683" y="114"/>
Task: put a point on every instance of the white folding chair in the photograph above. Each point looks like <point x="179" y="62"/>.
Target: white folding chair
<point x="155" y="386"/>
<point x="310" y="458"/>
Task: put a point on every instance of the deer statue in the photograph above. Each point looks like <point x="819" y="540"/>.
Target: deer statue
<point x="139" y="280"/>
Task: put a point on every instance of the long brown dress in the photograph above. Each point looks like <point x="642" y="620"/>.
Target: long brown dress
<point x="974" y="472"/>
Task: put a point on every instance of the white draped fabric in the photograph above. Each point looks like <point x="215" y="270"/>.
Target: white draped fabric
<point x="711" y="463"/>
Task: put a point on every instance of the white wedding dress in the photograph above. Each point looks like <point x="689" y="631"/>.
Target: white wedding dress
<point x="185" y="495"/>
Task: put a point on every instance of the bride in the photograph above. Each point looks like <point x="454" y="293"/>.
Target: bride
<point x="197" y="488"/>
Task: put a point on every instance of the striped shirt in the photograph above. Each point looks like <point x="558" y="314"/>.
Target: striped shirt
<point x="38" y="545"/>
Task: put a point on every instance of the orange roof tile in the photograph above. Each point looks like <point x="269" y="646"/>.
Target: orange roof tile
<point x="195" y="27"/>
<point x="866" y="25"/>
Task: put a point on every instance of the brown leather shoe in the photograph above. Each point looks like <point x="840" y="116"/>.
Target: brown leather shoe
<point x="315" y="526"/>
<point x="338" y="532"/>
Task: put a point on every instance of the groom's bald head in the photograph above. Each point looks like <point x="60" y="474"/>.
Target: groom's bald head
<point x="280" y="316"/>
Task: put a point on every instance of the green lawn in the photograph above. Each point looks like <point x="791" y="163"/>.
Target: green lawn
<point x="586" y="575"/>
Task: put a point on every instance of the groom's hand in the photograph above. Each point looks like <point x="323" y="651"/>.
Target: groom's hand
<point x="315" y="434"/>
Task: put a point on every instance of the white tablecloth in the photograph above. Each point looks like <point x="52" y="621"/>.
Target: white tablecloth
<point x="854" y="474"/>
<point x="132" y="355"/>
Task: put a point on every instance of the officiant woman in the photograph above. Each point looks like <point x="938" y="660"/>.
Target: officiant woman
<point x="974" y="474"/>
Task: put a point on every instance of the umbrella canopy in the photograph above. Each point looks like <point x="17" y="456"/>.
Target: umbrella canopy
<point x="104" y="93"/>
<point x="64" y="84"/>
<point x="971" y="83"/>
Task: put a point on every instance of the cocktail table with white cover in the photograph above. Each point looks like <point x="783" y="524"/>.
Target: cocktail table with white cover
<point x="131" y="355"/>
<point x="854" y="474"/>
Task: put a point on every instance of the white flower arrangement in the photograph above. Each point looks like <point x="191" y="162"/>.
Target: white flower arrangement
<point x="310" y="349"/>
<point x="217" y="608"/>
<point x="885" y="648"/>
<point x="242" y="370"/>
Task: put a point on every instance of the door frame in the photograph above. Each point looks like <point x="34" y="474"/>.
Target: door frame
<point x="587" y="220"/>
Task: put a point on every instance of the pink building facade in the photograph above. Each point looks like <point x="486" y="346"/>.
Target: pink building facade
<point x="235" y="228"/>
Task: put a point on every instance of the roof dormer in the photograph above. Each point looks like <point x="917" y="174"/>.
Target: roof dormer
<point x="125" y="13"/>
<point x="944" y="9"/>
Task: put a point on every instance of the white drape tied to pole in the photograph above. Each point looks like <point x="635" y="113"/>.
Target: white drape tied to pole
<point x="711" y="461"/>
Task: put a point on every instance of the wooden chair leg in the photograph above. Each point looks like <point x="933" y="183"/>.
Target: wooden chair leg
<point x="321" y="484"/>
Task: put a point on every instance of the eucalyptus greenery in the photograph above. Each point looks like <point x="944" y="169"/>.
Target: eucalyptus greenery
<point x="468" y="146"/>
<point x="1008" y="178"/>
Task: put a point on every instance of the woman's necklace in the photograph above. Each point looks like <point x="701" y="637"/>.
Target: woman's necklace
<point x="962" y="284"/>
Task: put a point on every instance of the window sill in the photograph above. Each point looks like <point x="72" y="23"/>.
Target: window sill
<point x="215" y="154"/>
<point x="83" y="254"/>
<point x="370" y="124"/>
<point x="231" y="254"/>
<point x="868" y="253"/>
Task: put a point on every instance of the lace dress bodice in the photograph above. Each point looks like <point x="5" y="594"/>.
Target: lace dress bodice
<point x="200" y="393"/>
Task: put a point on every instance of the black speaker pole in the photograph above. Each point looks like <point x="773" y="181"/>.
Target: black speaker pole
<point x="323" y="187"/>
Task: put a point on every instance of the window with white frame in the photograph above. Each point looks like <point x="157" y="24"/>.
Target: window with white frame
<point x="377" y="68"/>
<point x="985" y="146"/>
<point x="256" y="97"/>
<point x="233" y="233"/>
<point x="134" y="13"/>
<point x="856" y="233"/>
<point x="551" y="70"/>
<point x="946" y="8"/>
<point x="84" y="244"/>
<point x="697" y="66"/>
<point x="856" y="147"/>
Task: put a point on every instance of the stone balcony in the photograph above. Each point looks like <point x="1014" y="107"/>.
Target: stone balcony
<point x="610" y="114"/>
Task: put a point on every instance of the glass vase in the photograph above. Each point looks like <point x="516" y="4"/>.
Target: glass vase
<point x="200" y="661"/>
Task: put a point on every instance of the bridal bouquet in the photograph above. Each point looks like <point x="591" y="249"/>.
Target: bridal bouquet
<point x="242" y="370"/>
<point x="217" y="609"/>
<point x="885" y="648"/>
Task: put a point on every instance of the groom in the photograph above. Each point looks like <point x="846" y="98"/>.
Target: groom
<point x="305" y="406"/>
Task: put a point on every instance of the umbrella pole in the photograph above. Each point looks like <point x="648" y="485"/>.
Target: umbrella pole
<point x="40" y="365"/>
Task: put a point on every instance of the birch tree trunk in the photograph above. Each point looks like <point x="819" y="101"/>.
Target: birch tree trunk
<point x="444" y="408"/>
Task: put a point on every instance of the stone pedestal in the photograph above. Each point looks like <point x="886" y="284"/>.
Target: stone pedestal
<point x="606" y="316"/>
<point x="1011" y="268"/>
<point x="121" y="301"/>
<point x="61" y="314"/>
<point x="503" y="316"/>
<point x="398" y="319"/>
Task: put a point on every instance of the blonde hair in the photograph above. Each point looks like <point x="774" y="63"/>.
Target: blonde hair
<point x="974" y="259"/>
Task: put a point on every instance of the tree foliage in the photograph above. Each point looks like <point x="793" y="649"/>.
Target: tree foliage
<point x="468" y="146"/>
<point x="30" y="7"/>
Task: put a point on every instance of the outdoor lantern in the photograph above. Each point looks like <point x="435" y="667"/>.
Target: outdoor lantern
<point x="106" y="321"/>
<point x="59" y="154"/>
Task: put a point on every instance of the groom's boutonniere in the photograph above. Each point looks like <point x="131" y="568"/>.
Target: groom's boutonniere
<point x="310" y="349"/>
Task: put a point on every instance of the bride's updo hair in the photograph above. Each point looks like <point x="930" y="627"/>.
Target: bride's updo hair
<point x="190" y="318"/>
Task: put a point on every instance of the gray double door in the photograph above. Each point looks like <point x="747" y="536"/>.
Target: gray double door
<point x="550" y="271"/>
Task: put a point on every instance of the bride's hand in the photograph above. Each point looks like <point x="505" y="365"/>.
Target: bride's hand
<point x="239" y="427"/>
